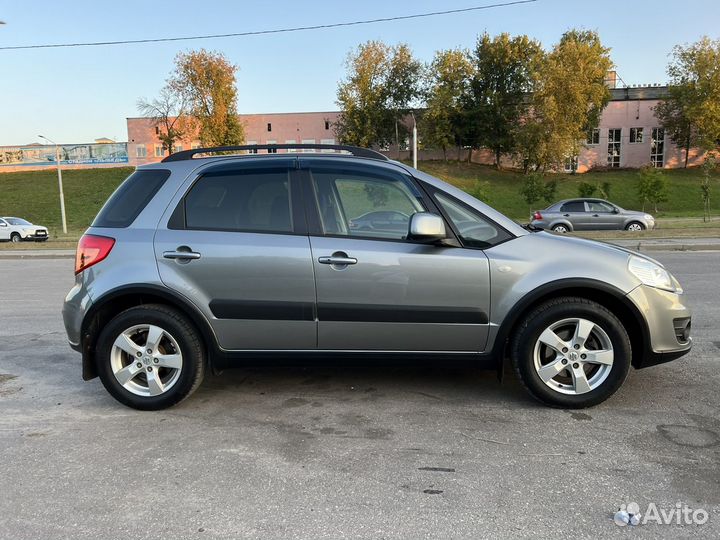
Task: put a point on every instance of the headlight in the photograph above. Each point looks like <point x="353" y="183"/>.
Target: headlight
<point x="652" y="274"/>
<point x="648" y="216"/>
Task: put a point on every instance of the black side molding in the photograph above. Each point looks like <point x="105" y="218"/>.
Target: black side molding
<point x="263" y="310"/>
<point x="400" y="314"/>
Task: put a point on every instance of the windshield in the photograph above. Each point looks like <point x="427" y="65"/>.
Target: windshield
<point x="17" y="221"/>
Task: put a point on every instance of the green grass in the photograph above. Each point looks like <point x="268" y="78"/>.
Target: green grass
<point x="33" y="195"/>
<point x="502" y="188"/>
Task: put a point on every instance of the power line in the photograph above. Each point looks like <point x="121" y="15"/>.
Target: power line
<point x="262" y="32"/>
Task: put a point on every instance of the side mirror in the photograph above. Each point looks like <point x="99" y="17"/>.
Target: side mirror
<point x="3" y="224"/>
<point x="426" y="228"/>
<point x="615" y="211"/>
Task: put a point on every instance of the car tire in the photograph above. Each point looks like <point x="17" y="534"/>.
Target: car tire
<point x="150" y="380"/>
<point x="571" y="377"/>
<point x="15" y="238"/>
<point x="562" y="229"/>
<point x="635" y="226"/>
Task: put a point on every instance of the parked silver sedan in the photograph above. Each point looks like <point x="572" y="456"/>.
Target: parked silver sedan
<point x="590" y="215"/>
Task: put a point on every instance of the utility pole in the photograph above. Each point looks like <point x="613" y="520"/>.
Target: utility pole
<point x="414" y="140"/>
<point x="60" y="183"/>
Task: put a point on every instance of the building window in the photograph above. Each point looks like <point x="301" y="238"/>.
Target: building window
<point x="157" y="130"/>
<point x="327" y="124"/>
<point x="636" y="135"/>
<point x="269" y="126"/>
<point x="159" y="150"/>
<point x="140" y="151"/>
<point x="178" y="148"/>
<point x="272" y="150"/>
<point x="657" y="147"/>
<point x="571" y="164"/>
<point x="614" y="146"/>
<point x="593" y="136"/>
<point x="195" y="145"/>
<point x="252" y="150"/>
<point x="327" y="141"/>
<point x="308" y="150"/>
<point x="290" y="141"/>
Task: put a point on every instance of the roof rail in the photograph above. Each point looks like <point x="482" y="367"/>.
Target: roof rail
<point x="354" y="150"/>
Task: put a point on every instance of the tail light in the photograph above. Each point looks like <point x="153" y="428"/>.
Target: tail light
<point x="91" y="250"/>
<point x="537" y="215"/>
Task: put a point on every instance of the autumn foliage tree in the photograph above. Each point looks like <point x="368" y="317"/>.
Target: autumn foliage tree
<point x="691" y="112"/>
<point x="381" y="85"/>
<point x="206" y="81"/>
<point x="448" y="79"/>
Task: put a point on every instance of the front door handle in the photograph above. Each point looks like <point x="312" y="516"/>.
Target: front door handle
<point x="595" y="215"/>
<point x="566" y="215"/>
<point x="182" y="255"/>
<point x="339" y="258"/>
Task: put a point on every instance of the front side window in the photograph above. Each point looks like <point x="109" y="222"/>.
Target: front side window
<point x="365" y="205"/>
<point x="599" y="206"/>
<point x="247" y="201"/>
<point x="573" y="206"/>
<point x="472" y="228"/>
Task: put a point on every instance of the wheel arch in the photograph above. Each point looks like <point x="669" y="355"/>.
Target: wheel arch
<point x="118" y="300"/>
<point x="603" y="293"/>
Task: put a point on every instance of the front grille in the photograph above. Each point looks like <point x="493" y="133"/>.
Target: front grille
<point x="682" y="329"/>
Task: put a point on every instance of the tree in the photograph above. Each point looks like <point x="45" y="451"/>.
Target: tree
<point x="570" y="96"/>
<point x="206" y="80"/>
<point x="691" y="112"/>
<point x="652" y="186"/>
<point x="505" y="70"/>
<point x="448" y="81"/>
<point x="382" y="84"/>
<point x="586" y="189"/>
<point x="708" y="167"/>
<point x="168" y="114"/>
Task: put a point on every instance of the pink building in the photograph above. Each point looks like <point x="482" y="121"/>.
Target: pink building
<point x="275" y="128"/>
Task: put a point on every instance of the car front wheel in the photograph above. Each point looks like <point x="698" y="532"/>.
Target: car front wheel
<point x="571" y="352"/>
<point x="634" y="226"/>
<point x="150" y="357"/>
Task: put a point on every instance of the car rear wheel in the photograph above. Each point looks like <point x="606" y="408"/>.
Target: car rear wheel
<point x="635" y="226"/>
<point x="15" y="238"/>
<point x="150" y="357"/>
<point x="560" y="229"/>
<point x="571" y="352"/>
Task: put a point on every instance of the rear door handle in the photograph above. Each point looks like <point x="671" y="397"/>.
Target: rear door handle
<point x="339" y="259"/>
<point x="183" y="255"/>
<point x="595" y="215"/>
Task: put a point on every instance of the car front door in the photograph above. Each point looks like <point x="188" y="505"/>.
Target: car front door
<point x="376" y="290"/>
<point x="603" y="216"/>
<point x="237" y="245"/>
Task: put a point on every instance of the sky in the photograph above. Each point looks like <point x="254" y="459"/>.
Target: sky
<point x="76" y="95"/>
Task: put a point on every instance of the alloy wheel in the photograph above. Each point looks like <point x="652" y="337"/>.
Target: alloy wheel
<point x="573" y="356"/>
<point x="146" y="360"/>
<point x="634" y="227"/>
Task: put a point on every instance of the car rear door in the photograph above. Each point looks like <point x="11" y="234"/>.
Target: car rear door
<point x="574" y="212"/>
<point x="236" y="244"/>
<point x="4" y="230"/>
<point x="375" y="290"/>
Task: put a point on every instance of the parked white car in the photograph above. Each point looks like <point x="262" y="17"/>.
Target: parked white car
<point x="17" y="229"/>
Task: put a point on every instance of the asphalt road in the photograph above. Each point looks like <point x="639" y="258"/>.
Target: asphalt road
<point x="382" y="451"/>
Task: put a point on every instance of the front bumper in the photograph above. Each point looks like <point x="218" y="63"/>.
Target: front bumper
<point x="660" y="310"/>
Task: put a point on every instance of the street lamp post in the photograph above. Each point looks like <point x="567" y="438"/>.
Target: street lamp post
<point x="414" y="140"/>
<point x="60" y="183"/>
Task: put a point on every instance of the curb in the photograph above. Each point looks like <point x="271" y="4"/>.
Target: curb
<point x="59" y="254"/>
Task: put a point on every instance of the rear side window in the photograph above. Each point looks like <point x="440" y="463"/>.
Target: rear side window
<point x="130" y="198"/>
<point x="249" y="201"/>
<point x="573" y="206"/>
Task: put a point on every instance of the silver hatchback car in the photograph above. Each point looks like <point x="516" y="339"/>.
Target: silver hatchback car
<point x="202" y="261"/>
<point x="590" y="215"/>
